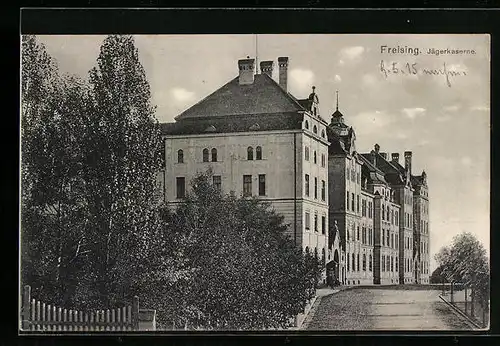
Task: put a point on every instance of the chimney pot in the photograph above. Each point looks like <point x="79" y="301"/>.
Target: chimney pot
<point x="246" y="67"/>
<point x="395" y="157"/>
<point x="377" y="148"/>
<point x="266" y="67"/>
<point x="408" y="155"/>
<point x="283" y="72"/>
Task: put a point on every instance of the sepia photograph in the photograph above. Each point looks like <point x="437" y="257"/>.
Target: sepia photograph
<point x="254" y="182"/>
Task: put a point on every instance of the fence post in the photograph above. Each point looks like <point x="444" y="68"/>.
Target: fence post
<point x="451" y="292"/>
<point x="465" y="293"/>
<point x="25" y="310"/>
<point x="135" y="313"/>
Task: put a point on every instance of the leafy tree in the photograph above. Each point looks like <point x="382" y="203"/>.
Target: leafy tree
<point x="466" y="261"/>
<point x="245" y="273"/>
<point x="51" y="108"/>
<point x="120" y="146"/>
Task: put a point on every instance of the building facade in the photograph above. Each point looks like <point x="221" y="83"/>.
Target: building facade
<point x="258" y="140"/>
<point x="363" y="214"/>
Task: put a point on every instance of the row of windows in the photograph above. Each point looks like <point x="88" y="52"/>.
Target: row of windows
<point x="408" y="243"/>
<point x="389" y="263"/>
<point x="389" y="239"/>
<point x="424" y="268"/>
<point x="315" y="157"/>
<point x="308" y="222"/>
<point x="424" y="248"/>
<point x="408" y="265"/>
<point x="366" y="234"/>
<point x="408" y="220"/>
<point x="212" y="155"/>
<point x="323" y="188"/>
<point x="353" y="263"/>
<point x="206" y="155"/>
<point x="258" y="153"/>
<point x="390" y="215"/>
<point x="247" y="185"/>
<point x="315" y="128"/>
<point x="366" y="208"/>
<point x="217" y="183"/>
<point x="424" y="226"/>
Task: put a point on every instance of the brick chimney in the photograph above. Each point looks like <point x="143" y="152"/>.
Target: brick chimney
<point x="283" y="72"/>
<point x="408" y="161"/>
<point x="395" y="157"/>
<point x="266" y="67"/>
<point x="246" y="67"/>
<point x="377" y="148"/>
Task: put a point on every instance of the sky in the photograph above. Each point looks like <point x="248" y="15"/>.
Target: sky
<point x="446" y="126"/>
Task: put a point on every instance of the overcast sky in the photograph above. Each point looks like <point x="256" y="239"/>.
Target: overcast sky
<point x="446" y="127"/>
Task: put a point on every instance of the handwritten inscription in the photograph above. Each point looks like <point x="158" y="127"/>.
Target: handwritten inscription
<point x="407" y="68"/>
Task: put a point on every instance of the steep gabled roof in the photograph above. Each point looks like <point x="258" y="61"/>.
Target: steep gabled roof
<point x="263" y="96"/>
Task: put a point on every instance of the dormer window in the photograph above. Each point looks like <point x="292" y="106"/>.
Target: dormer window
<point x="322" y="133"/>
<point x="306" y="125"/>
<point x="315" y="129"/>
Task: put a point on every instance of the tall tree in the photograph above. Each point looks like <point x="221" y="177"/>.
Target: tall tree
<point x="121" y="160"/>
<point x="51" y="108"/>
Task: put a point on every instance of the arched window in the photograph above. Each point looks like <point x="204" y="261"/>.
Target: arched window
<point x="214" y="155"/>
<point x="180" y="156"/>
<point x="322" y="133"/>
<point x="364" y="262"/>
<point x="258" y="152"/>
<point x="353" y="262"/>
<point x="315" y="129"/>
<point x="306" y="125"/>
<point x="205" y="155"/>
<point x="249" y="153"/>
<point x="315" y="158"/>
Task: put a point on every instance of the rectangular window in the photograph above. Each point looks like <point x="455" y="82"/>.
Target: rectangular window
<point x="217" y="182"/>
<point x="323" y="224"/>
<point x="308" y="220"/>
<point x="383" y="263"/>
<point x="315" y="188"/>
<point x="307" y="185"/>
<point x="323" y="190"/>
<point x="357" y="204"/>
<point x="383" y="237"/>
<point x="357" y="233"/>
<point x="315" y="222"/>
<point x="387" y="239"/>
<point x="352" y="201"/>
<point x="323" y="160"/>
<point x="247" y="185"/>
<point x="307" y="153"/>
<point x="347" y="201"/>
<point x="181" y="187"/>
<point x="262" y="184"/>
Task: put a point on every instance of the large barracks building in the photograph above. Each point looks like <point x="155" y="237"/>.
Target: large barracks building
<point x="365" y="215"/>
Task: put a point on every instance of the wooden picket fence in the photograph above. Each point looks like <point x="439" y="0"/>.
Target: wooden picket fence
<point x="38" y="316"/>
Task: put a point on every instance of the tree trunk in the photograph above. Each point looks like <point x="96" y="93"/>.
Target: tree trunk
<point x="451" y="292"/>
